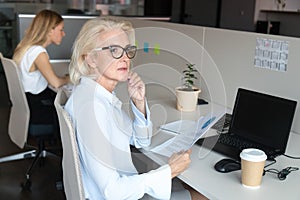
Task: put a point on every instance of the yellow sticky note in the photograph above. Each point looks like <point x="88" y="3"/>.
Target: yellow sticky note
<point x="157" y="49"/>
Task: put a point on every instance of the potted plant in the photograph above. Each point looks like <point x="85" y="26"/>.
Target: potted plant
<point x="187" y="94"/>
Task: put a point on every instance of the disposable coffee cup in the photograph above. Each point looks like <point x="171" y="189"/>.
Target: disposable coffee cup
<point x="253" y="162"/>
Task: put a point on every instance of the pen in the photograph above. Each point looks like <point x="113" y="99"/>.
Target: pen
<point x="208" y="122"/>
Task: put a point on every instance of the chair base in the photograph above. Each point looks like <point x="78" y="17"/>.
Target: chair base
<point x="36" y="154"/>
<point x="26" y="185"/>
<point x="26" y="155"/>
<point x="19" y="156"/>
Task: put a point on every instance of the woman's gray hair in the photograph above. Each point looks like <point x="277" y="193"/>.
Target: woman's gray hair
<point x="88" y="39"/>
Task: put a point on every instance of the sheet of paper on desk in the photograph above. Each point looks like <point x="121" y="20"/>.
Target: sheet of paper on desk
<point x="180" y="126"/>
<point x="186" y="139"/>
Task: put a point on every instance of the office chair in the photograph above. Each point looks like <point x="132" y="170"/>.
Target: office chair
<point x="71" y="166"/>
<point x="19" y="127"/>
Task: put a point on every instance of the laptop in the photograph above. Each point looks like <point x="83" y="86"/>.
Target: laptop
<point x="258" y="121"/>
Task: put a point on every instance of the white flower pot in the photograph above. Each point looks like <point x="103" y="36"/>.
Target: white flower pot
<point x="187" y="100"/>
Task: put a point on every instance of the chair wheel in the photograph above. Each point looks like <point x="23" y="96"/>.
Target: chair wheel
<point x="59" y="185"/>
<point x="26" y="185"/>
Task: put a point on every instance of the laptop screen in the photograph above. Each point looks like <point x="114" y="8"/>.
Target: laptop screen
<point x="263" y="118"/>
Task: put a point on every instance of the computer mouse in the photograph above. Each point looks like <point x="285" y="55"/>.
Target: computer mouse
<point x="227" y="165"/>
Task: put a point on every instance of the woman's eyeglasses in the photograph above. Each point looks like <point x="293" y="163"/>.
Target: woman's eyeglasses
<point x="118" y="51"/>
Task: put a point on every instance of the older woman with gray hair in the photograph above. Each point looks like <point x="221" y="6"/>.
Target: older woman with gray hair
<point x="101" y="59"/>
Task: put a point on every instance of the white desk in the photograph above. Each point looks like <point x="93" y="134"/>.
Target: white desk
<point x="202" y="176"/>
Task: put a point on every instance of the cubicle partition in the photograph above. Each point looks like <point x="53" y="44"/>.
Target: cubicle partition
<point x="228" y="60"/>
<point x="225" y="59"/>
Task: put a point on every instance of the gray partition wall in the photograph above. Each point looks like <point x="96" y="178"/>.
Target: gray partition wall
<point x="224" y="59"/>
<point x="228" y="56"/>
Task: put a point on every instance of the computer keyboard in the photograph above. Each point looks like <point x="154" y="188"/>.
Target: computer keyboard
<point x="235" y="141"/>
<point x="240" y="143"/>
<point x="223" y="124"/>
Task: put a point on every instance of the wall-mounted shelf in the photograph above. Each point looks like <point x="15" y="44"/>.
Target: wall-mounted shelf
<point x="281" y="11"/>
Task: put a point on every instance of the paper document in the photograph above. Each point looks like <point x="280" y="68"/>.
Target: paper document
<point x="188" y="132"/>
<point x="180" y="126"/>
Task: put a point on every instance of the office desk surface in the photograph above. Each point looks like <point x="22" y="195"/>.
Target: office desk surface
<point x="202" y="176"/>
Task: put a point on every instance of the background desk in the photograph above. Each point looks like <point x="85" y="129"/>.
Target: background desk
<point x="202" y="176"/>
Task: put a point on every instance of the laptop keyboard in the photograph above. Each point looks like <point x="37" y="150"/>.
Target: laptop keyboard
<point x="240" y="143"/>
<point x="234" y="141"/>
<point x="223" y="123"/>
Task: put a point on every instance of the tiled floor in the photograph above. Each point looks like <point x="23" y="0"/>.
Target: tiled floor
<point x="44" y="177"/>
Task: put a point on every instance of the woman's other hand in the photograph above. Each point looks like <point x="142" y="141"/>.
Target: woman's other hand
<point x="179" y="162"/>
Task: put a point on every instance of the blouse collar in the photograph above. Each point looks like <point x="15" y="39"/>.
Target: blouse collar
<point x="101" y="92"/>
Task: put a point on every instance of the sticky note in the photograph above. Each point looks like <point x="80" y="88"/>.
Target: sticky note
<point x="146" y="47"/>
<point x="157" y="49"/>
<point x="136" y="43"/>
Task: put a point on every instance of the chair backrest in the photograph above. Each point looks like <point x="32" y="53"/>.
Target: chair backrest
<point x="70" y="163"/>
<point x="20" y="113"/>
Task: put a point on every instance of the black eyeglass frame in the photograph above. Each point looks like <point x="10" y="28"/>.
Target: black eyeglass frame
<point x="126" y="50"/>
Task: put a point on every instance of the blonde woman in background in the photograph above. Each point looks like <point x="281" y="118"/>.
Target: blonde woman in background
<point x="36" y="71"/>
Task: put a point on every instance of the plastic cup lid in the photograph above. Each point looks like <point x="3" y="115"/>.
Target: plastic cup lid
<point x="254" y="155"/>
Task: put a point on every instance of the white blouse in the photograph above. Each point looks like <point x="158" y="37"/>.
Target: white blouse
<point x="104" y="134"/>
<point x="33" y="82"/>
